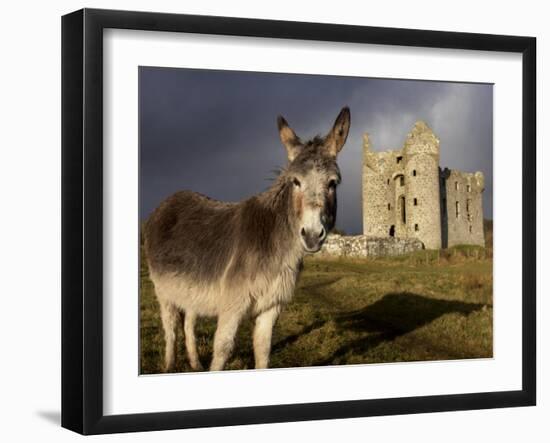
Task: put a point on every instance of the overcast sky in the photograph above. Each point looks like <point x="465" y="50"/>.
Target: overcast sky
<point x="215" y="132"/>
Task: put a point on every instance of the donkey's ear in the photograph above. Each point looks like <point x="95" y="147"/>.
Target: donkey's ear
<point x="339" y="133"/>
<point x="290" y="140"/>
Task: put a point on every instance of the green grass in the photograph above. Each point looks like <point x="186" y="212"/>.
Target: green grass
<point x="429" y="305"/>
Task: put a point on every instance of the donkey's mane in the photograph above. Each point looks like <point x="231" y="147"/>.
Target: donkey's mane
<point x="315" y="141"/>
<point x="273" y="196"/>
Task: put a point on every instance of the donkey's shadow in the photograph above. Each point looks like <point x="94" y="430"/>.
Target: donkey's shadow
<point x="393" y="315"/>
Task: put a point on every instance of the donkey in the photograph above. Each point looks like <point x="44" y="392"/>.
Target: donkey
<point x="230" y="260"/>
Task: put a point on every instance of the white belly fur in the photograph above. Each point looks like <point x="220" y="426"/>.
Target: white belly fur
<point x="253" y="296"/>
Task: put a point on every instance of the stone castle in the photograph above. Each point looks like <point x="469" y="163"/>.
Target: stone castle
<point x="407" y="195"/>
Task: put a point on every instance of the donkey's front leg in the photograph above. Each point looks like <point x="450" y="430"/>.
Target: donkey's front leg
<point x="262" y="336"/>
<point x="224" y="339"/>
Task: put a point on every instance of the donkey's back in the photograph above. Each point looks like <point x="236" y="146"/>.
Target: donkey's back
<point x="187" y="235"/>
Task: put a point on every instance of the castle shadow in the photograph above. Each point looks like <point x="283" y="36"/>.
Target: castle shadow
<point x="393" y="315"/>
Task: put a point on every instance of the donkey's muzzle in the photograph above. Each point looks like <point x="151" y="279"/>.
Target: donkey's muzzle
<point x="313" y="239"/>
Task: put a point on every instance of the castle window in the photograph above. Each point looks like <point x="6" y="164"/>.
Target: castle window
<point x="457" y="209"/>
<point x="470" y="229"/>
<point x="392" y="231"/>
<point x="414" y="172"/>
<point x="388" y="181"/>
<point x="389" y="207"/>
<point x="468" y="206"/>
<point x="415" y="202"/>
<point x="416" y="227"/>
<point x="456" y="186"/>
<point x="403" y="213"/>
<point x="399" y="159"/>
<point x="468" y="188"/>
<point x="402" y="180"/>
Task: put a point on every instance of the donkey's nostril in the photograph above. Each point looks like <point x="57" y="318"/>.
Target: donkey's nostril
<point x="322" y="233"/>
<point x="303" y="232"/>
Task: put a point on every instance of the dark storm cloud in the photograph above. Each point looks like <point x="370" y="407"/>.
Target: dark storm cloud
<point x="215" y="132"/>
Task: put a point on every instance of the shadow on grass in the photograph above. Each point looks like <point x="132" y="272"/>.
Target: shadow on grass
<point x="393" y="315"/>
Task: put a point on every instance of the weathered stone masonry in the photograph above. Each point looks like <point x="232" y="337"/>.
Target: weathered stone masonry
<point x="407" y="195"/>
<point x="360" y="246"/>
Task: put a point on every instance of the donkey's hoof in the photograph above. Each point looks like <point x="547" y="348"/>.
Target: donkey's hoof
<point x="196" y="366"/>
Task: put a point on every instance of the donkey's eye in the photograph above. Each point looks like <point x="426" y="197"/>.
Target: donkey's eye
<point x="296" y="182"/>
<point x="332" y="184"/>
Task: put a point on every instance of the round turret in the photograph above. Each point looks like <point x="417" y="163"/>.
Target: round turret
<point x="421" y="140"/>
<point x="422" y="193"/>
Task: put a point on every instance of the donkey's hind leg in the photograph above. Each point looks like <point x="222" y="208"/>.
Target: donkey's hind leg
<point x="169" y="315"/>
<point x="190" y="341"/>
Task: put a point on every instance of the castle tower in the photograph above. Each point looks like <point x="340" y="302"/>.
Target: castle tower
<point x="421" y="214"/>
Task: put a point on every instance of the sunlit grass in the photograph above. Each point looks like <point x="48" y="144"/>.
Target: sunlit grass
<point x="429" y="305"/>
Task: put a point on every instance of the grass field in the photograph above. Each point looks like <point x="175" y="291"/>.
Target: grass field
<point x="429" y="305"/>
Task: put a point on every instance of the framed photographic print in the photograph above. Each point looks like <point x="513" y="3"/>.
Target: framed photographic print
<point x="270" y="221"/>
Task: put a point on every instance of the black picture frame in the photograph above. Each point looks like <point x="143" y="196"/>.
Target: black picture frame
<point x="82" y="219"/>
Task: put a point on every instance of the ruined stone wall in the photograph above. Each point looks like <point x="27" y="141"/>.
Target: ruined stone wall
<point x="378" y="191"/>
<point x="362" y="246"/>
<point x="462" y="201"/>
